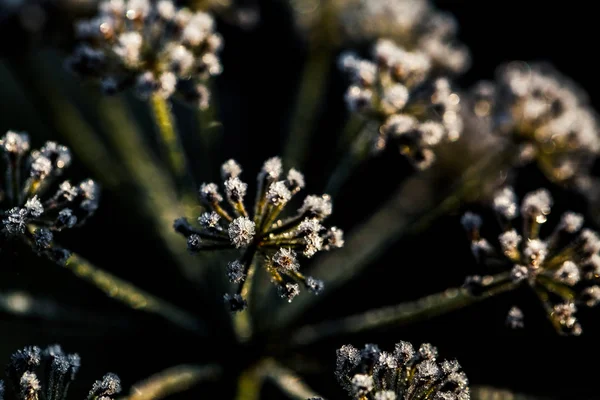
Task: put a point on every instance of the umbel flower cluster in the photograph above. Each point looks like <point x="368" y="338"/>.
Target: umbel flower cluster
<point x="153" y="46"/>
<point x="260" y="232"/>
<point x="34" y="374"/>
<point x="562" y="268"/>
<point x="405" y="373"/>
<point x="545" y="114"/>
<point x="410" y="106"/>
<point x="25" y="213"/>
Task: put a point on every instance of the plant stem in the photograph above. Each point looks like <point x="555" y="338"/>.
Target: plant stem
<point x="132" y="296"/>
<point x="490" y="393"/>
<point x="399" y="315"/>
<point x="242" y="320"/>
<point x="358" y="152"/>
<point x="161" y="110"/>
<point x="171" y="381"/>
<point x="250" y="383"/>
<point x="289" y="383"/>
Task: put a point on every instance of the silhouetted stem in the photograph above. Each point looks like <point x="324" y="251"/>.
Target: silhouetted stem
<point x="398" y="315"/>
<point x="132" y="296"/>
<point x="172" y="380"/>
<point x="163" y="118"/>
<point x="242" y="320"/>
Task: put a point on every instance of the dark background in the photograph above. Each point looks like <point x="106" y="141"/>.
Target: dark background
<point x="255" y="95"/>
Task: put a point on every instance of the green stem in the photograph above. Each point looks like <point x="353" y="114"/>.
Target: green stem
<point x="358" y="153"/>
<point x="171" y="381"/>
<point x="65" y="118"/>
<point x="242" y="320"/>
<point x="250" y="383"/>
<point x="163" y="118"/>
<point x="132" y="296"/>
<point x="308" y="102"/>
<point x="490" y="393"/>
<point x="289" y="383"/>
<point x="399" y="315"/>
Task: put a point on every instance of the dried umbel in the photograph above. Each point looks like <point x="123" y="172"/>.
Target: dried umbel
<point x="413" y="24"/>
<point x="154" y="46"/>
<point x="34" y="373"/>
<point x="545" y="114"/>
<point x="404" y="374"/>
<point x="24" y="212"/>
<point x="412" y="108"/>
<point x="260" y="234"/>
<point x="562" y="268"/>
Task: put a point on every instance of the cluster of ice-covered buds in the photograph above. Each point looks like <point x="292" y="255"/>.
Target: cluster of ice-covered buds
<point x="34" y="373"/>
<point x="28" y="175"/>
<point x="405" y="373"/>
<point x="260" y="232"/>
<point x="412" y="108"/>
<point x="154" y="46"/>
<point x="545" y="114"/>
<point x="563" y="268"/>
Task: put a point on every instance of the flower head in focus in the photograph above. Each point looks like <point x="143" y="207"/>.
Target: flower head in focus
<point x="545" y="114"/>
<point x="410" y="106"/>
<point x="153" y="46"/>
<point x="405" y="373"/>
<point x="25" y="213"/>
<point x="562" y="267"/>
<point x="261" y="232"/>
<point x="34" y="373"/>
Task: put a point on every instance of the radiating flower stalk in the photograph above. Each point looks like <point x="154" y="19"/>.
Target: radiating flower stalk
<point x="562" y="268"/>
<point x="26" y="214"/>
<point x="158" y="49"/>
<point x="261" y="234"/>
<point x="34" y="373"/>
<point x="402" y="102"/>
<point x="405" y="373"/>
<point x="545" y="115"/>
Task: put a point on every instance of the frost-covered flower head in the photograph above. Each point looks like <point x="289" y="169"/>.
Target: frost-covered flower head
<point x="26" y="213"/>
<point x="545" y="114"/>
<point x="413" y="24"/>
<point x="404" y="374"/>
<point x="260" y="232"/>
<point x="34" y="373"/>
<point x="411" y="107"/>
<point x="151" y="45"/>
<point x="562" y="267"/>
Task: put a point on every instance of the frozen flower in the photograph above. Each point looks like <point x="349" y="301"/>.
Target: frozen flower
<point x="399" y="93"/>
<point x="413" y="24"/>
<point x="372" y="374"/>
<point x="155" y="47"/>
<point x="35" y="373"/>
<point x="26" y="212"/>
<point x="260" y="233"/>
<point x="546" y="115"/>
<point x="560" y="266"/>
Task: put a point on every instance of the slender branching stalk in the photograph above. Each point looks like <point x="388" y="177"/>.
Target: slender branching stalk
<point x="65" y="118"/>
<point x="163" y="117"/>
<point x="401" y="314"/>
<point x="288" y="382"/>
<point x="250" y="382"/>
<point x="131" y="296"/>
<point x="242" y="321"/>
<point x="172" y="380"/>
<point x="491" y="393"/>
<point x="312" y="87"/>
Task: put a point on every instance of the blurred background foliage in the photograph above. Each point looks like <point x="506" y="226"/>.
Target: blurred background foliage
<point x="255" y="97"/>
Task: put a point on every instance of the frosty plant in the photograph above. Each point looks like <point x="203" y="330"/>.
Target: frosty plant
<point x="262" y="236"/>
<point x="27" y="213"/>
<point x="34" y="373"/>
<point x="562" y="267"/>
